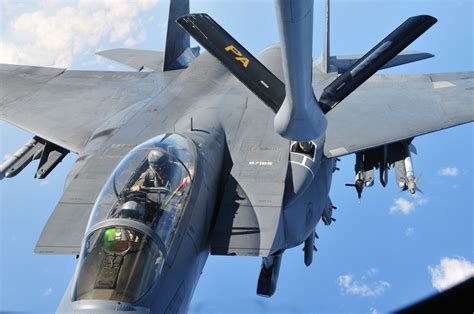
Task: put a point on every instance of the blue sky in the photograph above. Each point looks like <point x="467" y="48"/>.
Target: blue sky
<point x="387" y="251"/>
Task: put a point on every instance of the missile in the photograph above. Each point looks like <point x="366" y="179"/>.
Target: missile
<point x="369" y="178"/>
<point x="411" y="180"/>
<point x="410" y="173"/>
<point x="359" y="181"/>
<point x="19" y="160"/>
<point x="405" y="174"/>
<point x="383" y="172"/>
<point x="358" y="184"/>
<point x="401" y="175"/>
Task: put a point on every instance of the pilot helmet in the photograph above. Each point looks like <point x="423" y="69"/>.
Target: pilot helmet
<point x="131" y="209"/>
<point x="157" y="159"/>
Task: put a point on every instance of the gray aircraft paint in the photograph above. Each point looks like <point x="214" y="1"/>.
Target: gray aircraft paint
<point x="300" y="117"/>
<point x="248" y="178"/>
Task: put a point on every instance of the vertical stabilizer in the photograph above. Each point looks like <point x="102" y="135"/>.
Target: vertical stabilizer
<point x="177" y="52"/>
<point x="326" y="52"/>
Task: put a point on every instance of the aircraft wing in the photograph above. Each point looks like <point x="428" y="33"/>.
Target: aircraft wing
<point x="65" y="107"/>
<point x="69" y="108"/>
<point x="64" y="231"/>
<point x="389" y="108"/>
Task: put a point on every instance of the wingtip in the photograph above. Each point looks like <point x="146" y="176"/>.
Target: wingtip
<point x="103" y="53"/>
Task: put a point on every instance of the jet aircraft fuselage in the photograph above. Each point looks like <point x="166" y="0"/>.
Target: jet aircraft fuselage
<point x="208" y="129"/>
<point x="219" y="153"/>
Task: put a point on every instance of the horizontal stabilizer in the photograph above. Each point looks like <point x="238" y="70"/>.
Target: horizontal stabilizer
<point x="374" y="60"/>
<point x="134" y="58"/>
<point x="261" y="81"/>
<point x="343" y="63"/>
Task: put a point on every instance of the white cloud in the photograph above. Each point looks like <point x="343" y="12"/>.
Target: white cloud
<point x="449" y="171"/>
<point x="450" y="271"/>
<point x="410" y="231"/>
<point x="401" y="205"/>
<point x="48" y="292"/>
<point x="8" y="7"/>
<point x="420" y="200"/>
<point x="133" y="41"/>
<point x="406" y="207"/>
<point x="360" y="288"/>
<point x="373" y="310"/>
<point x="372" y="272"/>
<point x="57" y="31"/>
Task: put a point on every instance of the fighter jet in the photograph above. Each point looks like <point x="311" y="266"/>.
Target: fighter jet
<point x="219" y="152"/>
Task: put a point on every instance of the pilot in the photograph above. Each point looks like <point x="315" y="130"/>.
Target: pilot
<point x="156" y="174"/>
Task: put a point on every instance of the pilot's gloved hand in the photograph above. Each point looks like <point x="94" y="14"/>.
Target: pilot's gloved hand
<point x="135" y="188"/>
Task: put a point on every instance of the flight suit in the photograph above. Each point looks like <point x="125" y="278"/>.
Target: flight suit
<point x="150" y="178"/>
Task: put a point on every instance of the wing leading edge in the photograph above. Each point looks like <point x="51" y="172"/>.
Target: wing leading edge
<point x="66" y="107"/>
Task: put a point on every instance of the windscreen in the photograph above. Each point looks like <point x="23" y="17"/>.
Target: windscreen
<point x="118" y="263"/>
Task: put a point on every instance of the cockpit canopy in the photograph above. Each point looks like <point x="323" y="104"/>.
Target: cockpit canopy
<point x="150" y="185"/>
<point x="134" y="220"/>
